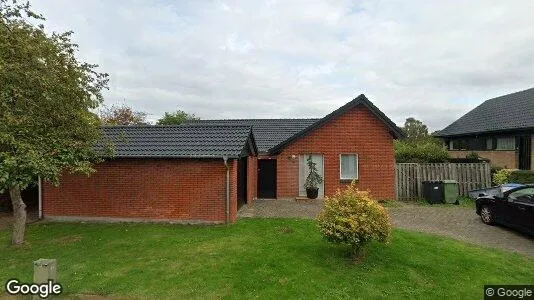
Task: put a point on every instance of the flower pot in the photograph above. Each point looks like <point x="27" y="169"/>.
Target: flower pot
<point x="312" y="193"/>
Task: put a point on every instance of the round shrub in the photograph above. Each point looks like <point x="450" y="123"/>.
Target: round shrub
<point x="354" y="218"/>
<point x="502" y="176"/>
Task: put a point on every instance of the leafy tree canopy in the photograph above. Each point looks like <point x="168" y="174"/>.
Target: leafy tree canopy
<point x="176" y="118"/>
<point x="122" y="115"/>
<point x="415" y="130"/>
<point x="46" y="101"/>
<point x="419" y="146"/>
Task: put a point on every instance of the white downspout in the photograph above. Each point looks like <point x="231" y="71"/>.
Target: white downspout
<point x="227" y="206"/>
<point x="40" y="197"/>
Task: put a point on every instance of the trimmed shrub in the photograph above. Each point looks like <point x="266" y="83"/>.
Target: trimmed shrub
<point x="428" y="151"/>
<point x="502" y="176"/>
<point x="522" y="176"/>
<point x="354" y="218"/>
<point x="493" y="171"/>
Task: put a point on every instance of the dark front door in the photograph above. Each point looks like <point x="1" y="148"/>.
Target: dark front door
<point x="242" y="182"/>
<point x="525" y="148"/>
<point x="267" y="178"/>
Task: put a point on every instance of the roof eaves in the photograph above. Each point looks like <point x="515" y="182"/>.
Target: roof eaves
<point x="440" y="135"/>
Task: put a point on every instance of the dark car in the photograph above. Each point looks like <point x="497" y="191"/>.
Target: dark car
<point x="513" y="208"/>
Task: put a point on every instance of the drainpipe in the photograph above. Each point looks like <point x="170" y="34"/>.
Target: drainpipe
<point x="40" y="197"/>
<point x="227" y="207"/>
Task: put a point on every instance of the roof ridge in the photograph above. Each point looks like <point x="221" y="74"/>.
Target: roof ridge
<point x="253" y="119"/>
<point x="175" y="126"/>
<point x="501" y="113"/>
<point x="506" y="95"/>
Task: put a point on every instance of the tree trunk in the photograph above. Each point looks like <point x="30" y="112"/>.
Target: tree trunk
<point x="19" y="214"/>
<point x="357" y="252"/>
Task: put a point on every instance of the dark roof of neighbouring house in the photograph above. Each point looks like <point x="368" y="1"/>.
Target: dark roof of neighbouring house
<point x="178" y="141"/>
<point x="274" y="134"/>
<point x="505" y="113"/>
<point x="267" y="132"/>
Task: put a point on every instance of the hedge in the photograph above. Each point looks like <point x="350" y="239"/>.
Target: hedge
<point x="521" y="176"/>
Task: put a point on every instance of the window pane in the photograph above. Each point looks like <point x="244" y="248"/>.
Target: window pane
<point x="349" y="166"/>
<point x="506" y="144"/>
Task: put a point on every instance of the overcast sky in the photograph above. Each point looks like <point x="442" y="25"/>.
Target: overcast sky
<point x="432" y="60"/>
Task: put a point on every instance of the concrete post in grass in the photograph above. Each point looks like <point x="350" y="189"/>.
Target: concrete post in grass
<point x="43" y="271"/>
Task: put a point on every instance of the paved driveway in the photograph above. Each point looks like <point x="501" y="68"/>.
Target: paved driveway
<point x="457" y="222"/>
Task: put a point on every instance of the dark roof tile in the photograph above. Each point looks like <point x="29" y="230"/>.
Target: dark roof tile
<point x="206" y="141"/>
<point x="509" y="112"/>
<point x="267" y="132"/>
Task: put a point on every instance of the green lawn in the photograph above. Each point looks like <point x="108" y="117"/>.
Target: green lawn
<point x="265" y="258"/>
<point x="463" y="201"/>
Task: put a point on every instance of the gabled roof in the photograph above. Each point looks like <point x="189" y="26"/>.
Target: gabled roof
<point x="509" y="112"/>
<point x="178" y="141"/>
<point x="395" y="131"/>
<point x="273" y="135"/>
<point x="267" y="132"/>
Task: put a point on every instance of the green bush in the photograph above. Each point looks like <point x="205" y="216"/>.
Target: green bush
<point x="502" y="176"/>
<point x="473" y="156"/>
<point x="354" y="218"/>
<point x="428" y="151"/>
<point x="511" y="175"/>
<point x="522" y="176"/>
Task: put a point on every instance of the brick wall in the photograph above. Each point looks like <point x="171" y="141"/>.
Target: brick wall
<point x="498" y="158"/>
<point x="165" y="189"/>
<point x="357" y="131"/>
<point x="252" y="179"/>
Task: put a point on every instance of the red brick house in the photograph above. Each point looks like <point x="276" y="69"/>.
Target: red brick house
<point x="176" y="173"/>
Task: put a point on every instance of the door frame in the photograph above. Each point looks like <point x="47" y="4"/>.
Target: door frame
<point x="260" y="193"/>
<point x="525" y="152"/>
<point x="322" y="191"/>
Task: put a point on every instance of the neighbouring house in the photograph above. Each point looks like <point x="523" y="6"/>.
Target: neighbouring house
<point x="500" y="129"/>
<point x="177" y="173"/>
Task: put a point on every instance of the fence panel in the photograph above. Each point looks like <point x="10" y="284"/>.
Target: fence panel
<point x="470" y="176"/>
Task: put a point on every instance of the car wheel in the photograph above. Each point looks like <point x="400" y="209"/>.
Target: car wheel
<point x="486" y="215"/>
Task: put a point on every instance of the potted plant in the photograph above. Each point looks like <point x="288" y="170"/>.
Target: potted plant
<point x="313" y="180"/>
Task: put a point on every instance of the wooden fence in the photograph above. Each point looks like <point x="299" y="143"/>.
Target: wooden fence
<point x="470" y="176"/>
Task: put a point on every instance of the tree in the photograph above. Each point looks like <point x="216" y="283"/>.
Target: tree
<point x="46" y="99"/>
<point x="122" y="115"/>
<point x="176" y="118"/>
<point x="415" y="130"/>
<point x="419" y="146"/>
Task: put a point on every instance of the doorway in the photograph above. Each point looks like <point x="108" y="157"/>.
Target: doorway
<point x="525" y="152"/>
<point x="242" y="164"/>
<point x="304" y="171"/>
<point x="267" y="178"/>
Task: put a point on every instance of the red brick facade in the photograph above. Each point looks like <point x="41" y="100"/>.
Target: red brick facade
<point x="195" y="189"/>
<point x="357" y="131"/>
<point x="151" y="189"/>
<point x="498" y="158"/>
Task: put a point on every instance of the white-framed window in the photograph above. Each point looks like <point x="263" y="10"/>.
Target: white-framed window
<point x="506" y="143"/>
<point x="348" y="166"/>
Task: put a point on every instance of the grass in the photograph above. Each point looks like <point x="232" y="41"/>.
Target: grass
<point x="256" y="258"/>
<point x="463" y="201"/>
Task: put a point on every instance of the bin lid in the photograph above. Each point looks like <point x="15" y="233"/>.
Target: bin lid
<point x="450" y="181"/>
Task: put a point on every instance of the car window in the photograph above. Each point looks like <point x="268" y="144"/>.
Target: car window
<point x="523" y="195"/>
